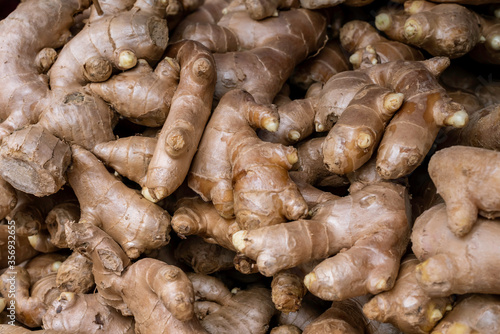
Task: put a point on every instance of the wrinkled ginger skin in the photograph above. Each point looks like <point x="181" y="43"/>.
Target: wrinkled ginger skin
<point x="211" y="174"/>
<point x="75" y="274"/>
<point x="136" y="223"/>
<point x="93" y="316"/>
<point x="129" y="156"/>
<point x="369" y="226"/>
<point x="31" y="301"/>
<point x="450" y="264"/>
<point x="162" y="300"/>
<point x="204" y="257"/>
<point x="183" y="128"/>
<point x="460" y="174"/>
<point x="406" y="305"/>
<point x="31" y="27"/>
<point x="142" y="95"/>
<point x="473" y="314"/>
<point x="345" y="317"/>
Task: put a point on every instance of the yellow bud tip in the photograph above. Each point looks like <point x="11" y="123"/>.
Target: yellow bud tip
<point x="292" y="157"/>
<point x="224" y="11"/>
<point x="414" y="7"/>
<point x="383" y="21"/>
<point x="370" y="49"/>
<point x="393" y="101"/>
<point x="55" y="266"/>
<point x="319" y="127"/>
<point x="127" y="59"/>
<point x="235" y="290"/>
<point x="239" y="240"/>
<point x="355" y="59"/>
<point x="276" y="13"/>
<point x="294" y="135"/>
<point x="3" y="303"/>
<point x="482" y="39"/>
<point x="495" y="43"/>
<point x="420" y="269"/>
<point x="270" y="124"/>
<point x="33" y="239"/>
<point x="364" y="140"/>
<point x="146" y="192"/>
<point x="412" y="30"/>
<point x="449" y="307"/>
<point x="309" y="279"/>
<point x="459" y="328"/>
<point x="381" y="285"/>
<point x="458" y="119"/>
<point x="68" y="296"/>
<point x="435" y="315"/>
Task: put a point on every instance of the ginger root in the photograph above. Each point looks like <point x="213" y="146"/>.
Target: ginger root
<point x="463" y="188"/>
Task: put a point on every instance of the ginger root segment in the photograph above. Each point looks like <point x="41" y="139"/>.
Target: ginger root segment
<point x="406" y="305"/>
<point x="194" y="216"/>
<point x="134" y="222"/>
<point x="367" y="47"/>
<point x="166" y="289"/>
<point x="451" y="264"/>
<point x="75" y="274"/>
<point x="8" y="198"/>
<point x="473" y="314"/>
<point x="227" y="317"/>
<point x="359" y="129"/>
<point x="31" y="301"/>
<point x="369" y="228"/>
<point x="463" y="188"/>
<point x="24" y="251"/>
<point x="189" y="113"/>
<point x="31" y="27"/>
<point x="211" y="172"/>
<point x="142" y="95"/>
<point x="93" y="316"/>
<point x="129" y="156"/>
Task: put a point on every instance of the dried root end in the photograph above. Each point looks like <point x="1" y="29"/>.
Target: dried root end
<point x="176" y="142"/>
<point x="239" y="240"/>
<point x="383" y="21"/>
<point x="393" y="101"/>
<point x="127" y="59"/>
<point x="202" y="68"/>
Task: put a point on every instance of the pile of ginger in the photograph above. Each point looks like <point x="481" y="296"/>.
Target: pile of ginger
<point x="250" y="166"/>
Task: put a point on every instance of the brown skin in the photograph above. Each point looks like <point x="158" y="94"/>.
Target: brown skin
<point x="367" y="47"/>
<point x="85" y="314"/>
<point x="136" y="223"/>
<point x="358" y="131"/>
<point x="489" y="51"/>
<point x="473" y="314"/>
<point x="194" y="216"/>
<point x="220" y="164"/>
<point x="312" y="195"/>
<point x="41" y="241"/>
<point x="15" y="249"/>
<point x="462" y="186"/>
<point x="343" y="317"/>
<point x="57" y="218"/>
<point x="309" y="310"/>
<point x="31" y="301"/>
<point x="129" y="156"/>
<point x="27" y="167"/>
<point x="162" y="298"/>
<point x="33" y="26"/>
<point x="329" y="61"/>
<point x="339" y="277"/>
<point x="481" y="131"/>
<point x="75" y="274"/>
<point x="189" y="113"/>
<point x="260" y="9"/>
<point x="406" y="305"/>
<point x="286" y="329"/>
<point x="447" y="30"/>
<point x="316" y="4"/>
<point x="142" y="95"/>
<point x="450" y="264"/>
<point x="8" y="198"/>
<point x="43" y="265"/>
<point x="253" y="302"/>
<point x="288" y="290"/>
<point x="204" y="257"/>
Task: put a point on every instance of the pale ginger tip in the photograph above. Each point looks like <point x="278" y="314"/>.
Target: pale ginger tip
<point x="381" y="285"/>
<point x="309" y="279"/>
<point x="319" y="127"/>
<point x="55" y="266"/>
<point x="270" y="124"/>
<point x="127" y="59"/>
<point x="458" y="120"/>
<point x="495" y="43"/>
<point x="146" y="192"/>
<point x="383" y="21"/>
<point x="435" y="315"/>
<point x="393" y="101"/>
<point x="459" y="328"/>
<point x="364" y="140"/>
<point x="294" y="135"/>
<point x="239" y="240"/>
<point x="355" y="59"/>
<point x="33" y="239"/>
<point x="292" y="157"/>
<point x="413" y="30"/>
